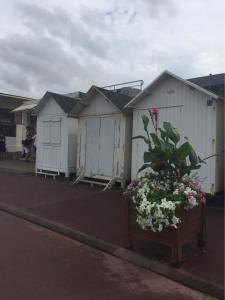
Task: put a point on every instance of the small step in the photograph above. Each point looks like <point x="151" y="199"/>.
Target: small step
<point x="93" y="182"/>
<point x="47" y="173"/>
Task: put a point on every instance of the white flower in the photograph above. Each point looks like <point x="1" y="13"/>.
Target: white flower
<point x="176" y="192"/>
<point x="187" y="190"/>
<point x="160" y="227"/>
<point x="175" y="220"/>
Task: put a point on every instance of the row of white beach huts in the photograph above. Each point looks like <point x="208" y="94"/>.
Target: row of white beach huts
<point x="91" y="134"/>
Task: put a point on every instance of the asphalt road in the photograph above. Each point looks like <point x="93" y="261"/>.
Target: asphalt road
<point x="36" y="263"/>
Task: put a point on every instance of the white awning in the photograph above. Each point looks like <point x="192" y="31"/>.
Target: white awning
<point x="25" y="106"/>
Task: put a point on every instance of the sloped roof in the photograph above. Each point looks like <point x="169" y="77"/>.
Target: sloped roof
<point x="26" y="106"/>
<point x="75" y="95"/>
<point x="214" y="83"/>
<point x="66" y="103"/>
<point x="10" y="102"/>
<point x="216" y="79"/>
<point x="160" y="78"/>
<point x="117" y="99"/>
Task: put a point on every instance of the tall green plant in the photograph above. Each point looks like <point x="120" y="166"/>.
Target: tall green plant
<point x="165" y="154"/>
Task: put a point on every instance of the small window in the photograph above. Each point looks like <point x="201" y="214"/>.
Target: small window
<point x="46" y="132"/>
<point x="56" y="132"/>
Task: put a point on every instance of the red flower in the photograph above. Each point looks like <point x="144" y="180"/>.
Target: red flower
<point x="154" y="111"/>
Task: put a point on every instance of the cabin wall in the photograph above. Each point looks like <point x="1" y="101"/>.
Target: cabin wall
<point x="72" y="127"/>
<point x="52" y="139"/>
<point x="103" y="112"/>
<point x="119" y="160"/>
<point x="187" y="109"/>
<point x="220" y="146"/>
<point x="99" y="106"/>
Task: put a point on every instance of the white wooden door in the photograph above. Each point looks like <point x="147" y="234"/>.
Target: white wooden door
<point x="51" y="144"/>
<point x="106" y="149"/>
<point x="92" y="146"/>
<point x="100" y="138"/>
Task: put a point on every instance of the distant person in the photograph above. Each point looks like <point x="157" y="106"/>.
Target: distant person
<point x="28" y="142"/>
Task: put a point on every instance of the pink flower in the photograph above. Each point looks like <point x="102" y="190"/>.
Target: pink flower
<point x="189" y="196"/>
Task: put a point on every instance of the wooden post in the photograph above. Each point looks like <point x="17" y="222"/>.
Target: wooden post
<point x="177" y="250"/>
<point x="201" y="235"/>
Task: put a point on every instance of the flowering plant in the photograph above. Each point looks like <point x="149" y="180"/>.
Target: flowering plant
<point x="156" y="195"/>
<point x="155" y="202"/>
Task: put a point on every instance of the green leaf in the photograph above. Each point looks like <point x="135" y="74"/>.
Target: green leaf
<point x="155" y="139"/>
<point x="145" y="166"/>
<point x="163" y="133"/>
<point x="147" y="156"/>
<point x="193" y="157"/>
<point x="171" y="132"/>
<point x="141" y="137"/>
<point x="145" y="120"/>
<point x="168" y="127"/>
<point x="183" y="152"/>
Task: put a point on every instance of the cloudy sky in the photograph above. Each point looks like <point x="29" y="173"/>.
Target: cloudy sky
<point x="65" y="46"/>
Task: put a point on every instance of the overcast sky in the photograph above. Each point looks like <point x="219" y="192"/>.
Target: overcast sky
<point x="66" y="46"/>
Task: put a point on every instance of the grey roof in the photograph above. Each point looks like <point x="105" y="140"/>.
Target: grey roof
<point x="214" y="83"/>
<point x="118" y="99"/>
<point x="66" y="103"/>
<point x="75" y="95"/>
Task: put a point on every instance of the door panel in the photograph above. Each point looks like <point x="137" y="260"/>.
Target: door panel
<point x="51" y="158"/>
<point x="50" y="144"/>
<point x="92" y="146"/>
<point x="107" y="136"/>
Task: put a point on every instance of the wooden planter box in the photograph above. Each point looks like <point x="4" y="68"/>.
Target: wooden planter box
<point x="191" y="227"/>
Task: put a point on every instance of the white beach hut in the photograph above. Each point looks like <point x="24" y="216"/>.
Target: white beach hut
<point x="198" y="114"/>
<point x="104" y="140"/>
<point x="56" y="139"/>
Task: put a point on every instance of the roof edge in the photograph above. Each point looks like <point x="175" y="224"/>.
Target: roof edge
<point x="197" y="87"/>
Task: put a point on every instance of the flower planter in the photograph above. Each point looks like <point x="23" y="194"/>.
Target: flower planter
<point x="191" y="227"/>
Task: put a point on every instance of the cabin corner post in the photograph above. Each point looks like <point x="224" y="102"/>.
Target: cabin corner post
<point x="177" y="247"/>
<point x="201" y="234"/>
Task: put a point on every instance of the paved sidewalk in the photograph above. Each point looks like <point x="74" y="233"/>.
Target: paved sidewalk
<point x="99" y="214"/>
<point x="38" y="264"/>
<point x="17" y="166"/>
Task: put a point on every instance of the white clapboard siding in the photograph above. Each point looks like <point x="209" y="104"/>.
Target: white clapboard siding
<point x="56" y="140"/>
<point x="186" y="108"/>
<point x="104" y="141"/>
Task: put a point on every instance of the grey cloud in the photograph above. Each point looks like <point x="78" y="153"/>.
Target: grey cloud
<point x="59" y="24"/>
<point x="53" y="52"/>
<point x="42" y="60"/>
<point x="15" y="79"/>
<point x="160" y="7"/>
<point x="116" y="42"/>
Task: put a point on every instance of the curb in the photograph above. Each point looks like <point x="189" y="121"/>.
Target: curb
<point x="183" y="277"/>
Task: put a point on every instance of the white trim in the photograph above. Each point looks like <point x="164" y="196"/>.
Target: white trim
<point x="167" y="73"/>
